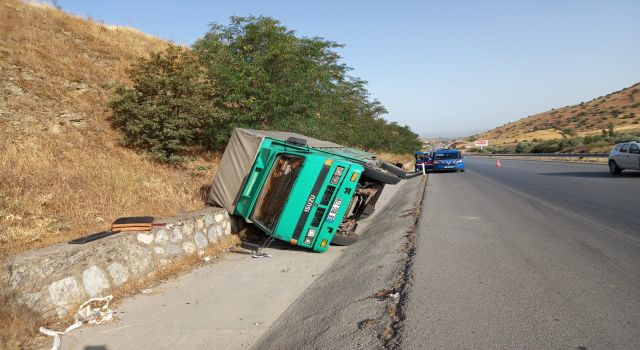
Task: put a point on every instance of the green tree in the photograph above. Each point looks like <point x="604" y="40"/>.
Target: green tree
<point x="253" y="73"/>
<point x="272" y="79"/>
<point x="170" y="108"/>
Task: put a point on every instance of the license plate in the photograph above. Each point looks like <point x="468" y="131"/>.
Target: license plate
<point x="448" y="166"/>
<point x="334" y="210"/>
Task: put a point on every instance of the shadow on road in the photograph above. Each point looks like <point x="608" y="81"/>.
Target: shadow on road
<point x="594" y="174"/>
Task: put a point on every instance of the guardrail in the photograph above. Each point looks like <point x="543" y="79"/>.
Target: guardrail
<point x="542" y="155"/>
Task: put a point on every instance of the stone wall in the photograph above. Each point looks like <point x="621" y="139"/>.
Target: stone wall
<point x="55" y="279"/>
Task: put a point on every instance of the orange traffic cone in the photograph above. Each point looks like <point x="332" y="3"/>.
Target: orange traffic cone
<point x="498" y="165"/>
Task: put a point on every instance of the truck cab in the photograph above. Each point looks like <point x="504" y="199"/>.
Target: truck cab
<point x="297" y="189"/>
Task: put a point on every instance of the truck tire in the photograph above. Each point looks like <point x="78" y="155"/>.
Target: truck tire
<point x="380" y="175"/>
<point x="343" y="240"/>
<point x="370" y="209"/>
<point x="399" y="172"/>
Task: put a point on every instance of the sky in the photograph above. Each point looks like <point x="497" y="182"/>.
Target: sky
<point x="445" y="68"/>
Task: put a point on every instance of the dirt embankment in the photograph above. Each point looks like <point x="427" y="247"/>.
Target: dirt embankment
<point x="63" y="172"/>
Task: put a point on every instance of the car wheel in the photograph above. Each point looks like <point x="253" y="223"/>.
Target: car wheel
<point x="613" y="168"/>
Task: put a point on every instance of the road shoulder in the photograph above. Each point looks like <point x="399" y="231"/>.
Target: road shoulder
<point x="353" y="304"/>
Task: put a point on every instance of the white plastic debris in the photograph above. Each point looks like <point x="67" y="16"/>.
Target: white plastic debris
<point x="146" y="291"/>
<point x="85" y="314"/>
<point x="207" y="259"/>
<point x="260" y="255"/>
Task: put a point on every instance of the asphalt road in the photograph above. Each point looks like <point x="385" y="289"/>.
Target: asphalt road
<point x="533" y="255"/>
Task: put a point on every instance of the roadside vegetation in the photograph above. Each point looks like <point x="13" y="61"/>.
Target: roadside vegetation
<point x="253" y="73"/>
<point x="601" y="143"/>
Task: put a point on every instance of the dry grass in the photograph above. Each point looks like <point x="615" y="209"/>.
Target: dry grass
<point x="622" y="108"/>
<point x="395" y="157"/>
<point x="18" y="324"/>
<point x="62" y="171"/>
<point x="52" y="191"/>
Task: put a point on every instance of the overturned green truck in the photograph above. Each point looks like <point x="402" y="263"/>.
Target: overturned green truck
<point x="299" y="189"/>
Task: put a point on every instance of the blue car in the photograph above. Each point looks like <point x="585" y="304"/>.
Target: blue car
<point x="448" y="160"/>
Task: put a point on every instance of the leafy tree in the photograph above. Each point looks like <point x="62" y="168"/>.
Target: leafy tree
<point x="171" y="107"/>
<point x="268" y="75"/>
<point x="272" y="79"/>
<point x="253" y="73"/>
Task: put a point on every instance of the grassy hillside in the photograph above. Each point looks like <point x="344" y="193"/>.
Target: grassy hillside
<point x="62" y="170"/>
<point x="622" y="108"/>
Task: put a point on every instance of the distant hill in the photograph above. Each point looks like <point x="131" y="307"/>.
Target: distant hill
<point x="622" y="108"/>
<point x="63" y="172"/>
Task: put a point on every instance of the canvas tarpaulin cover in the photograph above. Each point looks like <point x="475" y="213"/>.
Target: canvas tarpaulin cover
<point x="238" y="158"/>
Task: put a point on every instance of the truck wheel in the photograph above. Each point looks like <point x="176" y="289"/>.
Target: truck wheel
<point x="380" y="175"/>
<point x="369" y="210"/>
<point x="343" y="240"/>
<point x="399" y="172"/>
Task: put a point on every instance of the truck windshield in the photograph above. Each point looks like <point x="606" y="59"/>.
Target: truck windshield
<point x="453" y="155"/>
<point x="276" y="190"/>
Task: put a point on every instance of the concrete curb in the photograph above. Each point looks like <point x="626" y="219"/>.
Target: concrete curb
<point x="54" y="279"/>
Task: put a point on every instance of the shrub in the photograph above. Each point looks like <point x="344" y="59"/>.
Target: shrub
<point x="548" y="146"/>
<point x="611" y="131"/>
<point x="569" y="131"/>
<point x="170" y="108"/>
<point x="524" y="147"/>
<point x="592" y="139"/>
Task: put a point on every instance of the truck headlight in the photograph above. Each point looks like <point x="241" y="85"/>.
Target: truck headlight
<point x="310" y="234"/>
<point x="336" y="175"/>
